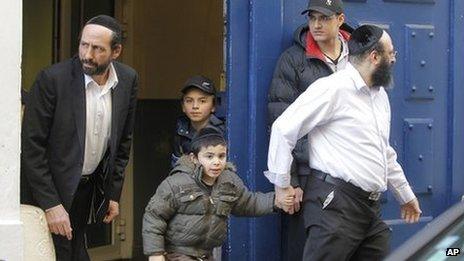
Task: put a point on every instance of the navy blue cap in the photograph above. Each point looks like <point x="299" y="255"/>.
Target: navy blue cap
<point x="200" y="82"/>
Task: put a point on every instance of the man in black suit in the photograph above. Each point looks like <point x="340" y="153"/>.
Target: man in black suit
<point x="76" y="137"/>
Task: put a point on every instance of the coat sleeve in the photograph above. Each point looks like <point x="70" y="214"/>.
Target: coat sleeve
<point x="123" y="152"/>
<point x="37" y="123"/>
<point x="252" y="203"/>
<point x="159" y="211"/>
<point x="283" y="92"/>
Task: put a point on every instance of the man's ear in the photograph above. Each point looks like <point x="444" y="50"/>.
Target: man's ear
<point x="341" y="19"/>
<point x="116" y="51"/>
<point x="375" y="57"/>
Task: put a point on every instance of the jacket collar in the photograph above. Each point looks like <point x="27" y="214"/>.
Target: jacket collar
<point x="184" y="128"/>
<point x="313" y="50"/>
<point x="186" y="165"/>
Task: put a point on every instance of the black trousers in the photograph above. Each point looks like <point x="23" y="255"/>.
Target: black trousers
<point x="347" y="227"/>
<point x="75" y="249"/>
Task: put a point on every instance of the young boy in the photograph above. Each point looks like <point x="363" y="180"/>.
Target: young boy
<point x="198" y="104"/>
<point x="187" y="216"/>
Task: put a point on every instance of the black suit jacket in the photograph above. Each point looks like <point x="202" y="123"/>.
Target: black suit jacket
<point x="53" y="135"/>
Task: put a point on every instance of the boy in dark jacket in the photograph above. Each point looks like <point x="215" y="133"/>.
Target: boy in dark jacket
<point x="187" y="217"/>
<point x="198" y="104"/>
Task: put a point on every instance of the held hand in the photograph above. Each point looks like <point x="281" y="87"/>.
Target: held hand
<point x="156" y="258"/>
<point x="58" y="221"/>
<point x="410" y="211"/>
<point x="112" y="212"/>
<point x="298" y="198"/>
<point x="285" y="198"/>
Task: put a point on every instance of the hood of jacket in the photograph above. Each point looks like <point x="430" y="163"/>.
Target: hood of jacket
<point x="186" y="165"/>
<point x="301" y="34"/>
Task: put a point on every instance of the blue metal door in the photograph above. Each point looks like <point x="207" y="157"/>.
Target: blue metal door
<point x="419" y="100"/>
<point x="427" y="103"/>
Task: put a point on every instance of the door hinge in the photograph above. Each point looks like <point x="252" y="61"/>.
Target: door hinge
<point x="121" y="229"/>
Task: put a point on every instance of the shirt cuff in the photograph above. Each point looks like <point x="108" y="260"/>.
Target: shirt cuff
<point x="404" y="194"/>
<point x="280" y="180"/>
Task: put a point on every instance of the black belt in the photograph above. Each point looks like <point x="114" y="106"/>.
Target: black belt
<point x="374" y="196"/>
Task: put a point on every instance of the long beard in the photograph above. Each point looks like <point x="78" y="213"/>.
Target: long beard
<point x="98" y="69"/>
<point x="382" y="75"/>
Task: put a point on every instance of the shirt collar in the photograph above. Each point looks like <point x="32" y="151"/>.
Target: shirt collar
<point x="358" y="81"/>
<point x="112" y="81"/>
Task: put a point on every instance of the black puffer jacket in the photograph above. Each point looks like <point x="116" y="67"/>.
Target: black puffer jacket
<point x="185" y="132"/>
<point x="184" y="216"/>
<point x="294" y="72"/>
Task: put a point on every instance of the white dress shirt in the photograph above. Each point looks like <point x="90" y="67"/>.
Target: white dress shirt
<point x="349" y="127"/>
<point x="98" y="120"/>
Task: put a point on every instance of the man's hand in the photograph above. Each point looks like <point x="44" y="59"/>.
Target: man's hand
<point x="112" y="212"/>
<point x="156" y="258"/>
<point x="410" y="211"/>
<point x="58" y="221"/>
<point x="298" y="198"/>
<point x="285" y="198"/>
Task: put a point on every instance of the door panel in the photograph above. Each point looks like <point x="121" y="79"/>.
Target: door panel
<point x="418" y="100"/>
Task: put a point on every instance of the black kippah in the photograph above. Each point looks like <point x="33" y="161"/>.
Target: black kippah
<point x="106" y="21"/>
<point x="364" y="38"/>
<point x="206" y="133"/>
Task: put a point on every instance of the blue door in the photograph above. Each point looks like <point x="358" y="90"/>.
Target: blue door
<point x="419" y="99"/>
<point x="427" y="103"/>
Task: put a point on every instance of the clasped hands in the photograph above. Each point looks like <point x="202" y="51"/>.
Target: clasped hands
<point x="289" y="199"/>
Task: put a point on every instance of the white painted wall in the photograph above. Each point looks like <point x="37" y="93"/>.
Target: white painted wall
<point x="10" y="82"/>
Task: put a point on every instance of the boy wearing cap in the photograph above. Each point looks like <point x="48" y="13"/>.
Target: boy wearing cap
<point x="187" y="217"/>
<point x="76" y="137"/>
<point x="347" y="119"/>
<point x="319" y="49"/>
<point x="198" y="104"/>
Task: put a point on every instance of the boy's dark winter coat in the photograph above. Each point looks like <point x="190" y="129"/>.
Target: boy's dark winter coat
<point x="184" y="216"/>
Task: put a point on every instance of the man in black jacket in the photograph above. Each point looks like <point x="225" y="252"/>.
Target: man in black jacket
<point x="76" y="137"/>
<point x="319" y="49"/>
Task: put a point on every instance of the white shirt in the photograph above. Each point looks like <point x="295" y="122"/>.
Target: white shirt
<point x="98" y="120"/>
<point x="349" y="127"/>
<point x="342" y="60"/>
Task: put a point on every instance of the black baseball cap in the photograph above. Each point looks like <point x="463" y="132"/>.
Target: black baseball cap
<point x="199" y="82"/>
<point x="364" y="38"/>
<point x="325" y="7"/>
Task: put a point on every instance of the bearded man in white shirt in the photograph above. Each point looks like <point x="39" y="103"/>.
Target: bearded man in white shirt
<point x="347" y="119"/>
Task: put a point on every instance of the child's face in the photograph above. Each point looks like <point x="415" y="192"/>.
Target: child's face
<point x="197" y="105"/>
<point x="213" y="159"/>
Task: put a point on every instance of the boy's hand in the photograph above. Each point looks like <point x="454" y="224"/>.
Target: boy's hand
<point x="157" y="258"/>
<point x="285" y="199"/>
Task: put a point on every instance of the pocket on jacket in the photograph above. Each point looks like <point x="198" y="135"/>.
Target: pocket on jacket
<point x="224" y="205"/>
<point x="192" y="203"/>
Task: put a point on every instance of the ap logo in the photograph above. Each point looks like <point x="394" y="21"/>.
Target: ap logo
<point x="453" y="251"/>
